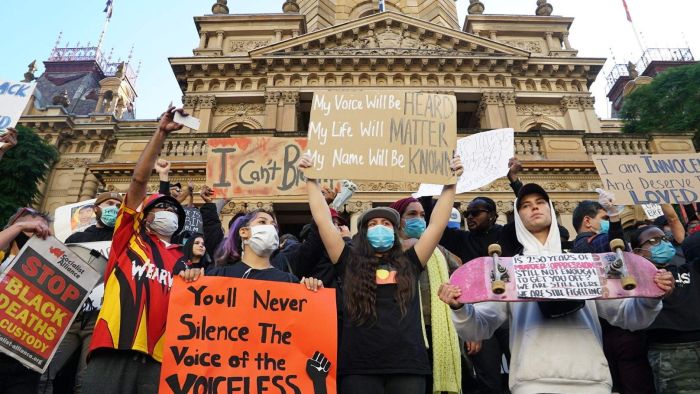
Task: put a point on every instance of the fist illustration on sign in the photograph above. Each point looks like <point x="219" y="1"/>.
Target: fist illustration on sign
<point x="317" y="368"/>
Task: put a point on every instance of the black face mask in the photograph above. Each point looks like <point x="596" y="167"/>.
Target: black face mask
<point x="21" y="239"/>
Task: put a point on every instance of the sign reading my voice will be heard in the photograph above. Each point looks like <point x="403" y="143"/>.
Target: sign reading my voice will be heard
<point x="380" y="135"/>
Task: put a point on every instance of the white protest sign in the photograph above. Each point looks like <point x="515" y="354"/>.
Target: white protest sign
<point x="188" y="121"/>
<point x="565" y="276"/>
<point x="484" y="157"/>
<point x="72" y="218"/>
<point x="13" y="98"/>
<point x="652" y="211"/>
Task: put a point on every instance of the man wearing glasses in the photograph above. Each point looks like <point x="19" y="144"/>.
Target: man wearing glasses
<point x="127" y="344"/>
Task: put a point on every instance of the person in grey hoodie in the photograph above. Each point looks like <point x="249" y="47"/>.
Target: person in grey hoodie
<point x="556" y="347"/>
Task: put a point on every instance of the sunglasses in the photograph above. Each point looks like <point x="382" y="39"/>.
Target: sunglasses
<point x="474" y="212"/>
<point x="655" y="241"/>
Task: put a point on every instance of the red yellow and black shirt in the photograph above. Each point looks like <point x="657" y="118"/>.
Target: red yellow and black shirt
<point x="138" y="279"/>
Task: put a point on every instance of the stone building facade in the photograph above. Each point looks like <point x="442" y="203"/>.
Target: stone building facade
<point x="256" y="75"/>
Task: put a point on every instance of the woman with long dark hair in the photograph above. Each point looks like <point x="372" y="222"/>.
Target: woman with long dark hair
<point x="195" y="251"/>
<point x="382" y="348"/>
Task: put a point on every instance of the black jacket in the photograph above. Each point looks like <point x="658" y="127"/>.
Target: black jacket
<point x="91" y="234"/>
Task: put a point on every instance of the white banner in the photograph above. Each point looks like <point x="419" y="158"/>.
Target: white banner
<point x="13" y="98"/>
<point x="484" y="157"/>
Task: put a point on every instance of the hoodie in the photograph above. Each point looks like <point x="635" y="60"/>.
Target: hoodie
<point x="561" y="355"/>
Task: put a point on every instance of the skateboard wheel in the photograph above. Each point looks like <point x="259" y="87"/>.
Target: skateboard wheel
<point x="498" y="286"/>
<point x="617" y="244"/>
<point x="629" y="283"/>
<point x="494" y="248"/>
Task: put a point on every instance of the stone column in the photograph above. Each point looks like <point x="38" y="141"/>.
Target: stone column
<point x="488" y="111"/>
<point x="508" y="102"/>
<point x="188" y="103"/>
<point x="588" y="105"/>
<point x="90" y="185"/>
<point x="567" y="44"/>
<point x="290" y="102"/>
<point x="272" y="99"/>
<point x="550" y="42"/>
<point x="202" y="40"/>
<point x="574" y="117"/>
<point x="220" y="40"/>
<point x="206" y="106"/>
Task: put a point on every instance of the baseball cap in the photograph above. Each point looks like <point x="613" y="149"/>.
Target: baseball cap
<point x="455" y="219"/>
<point x="531" y="188"/>
<point x="102" y="197"/>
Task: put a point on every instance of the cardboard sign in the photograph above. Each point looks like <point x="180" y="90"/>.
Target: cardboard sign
<point x="484" y="157"/>
<point x="14" y="96"/>
<point x="651" y="179"/>
<point x="566" y="276"/>
<point x="193" y="220"/>
<point x="40" y="294"/>
<point x="72" y="218"/>
<point x="228" y="335"/>
<point x="383" y="135"/>
<point x="256" y="166"/>
<point x="652" y="211"/>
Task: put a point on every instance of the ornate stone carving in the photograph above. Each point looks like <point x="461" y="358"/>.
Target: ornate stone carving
<point x="490" y="98"/>
<point x="233" y="208"/>
<point x="357" y="206"/>
<point x="530" y="46"/>
<point x="508" y="98"/>
<point x="219" y="7"/>
<point x="290" y="98"/>
<point x="408" y="187"/>
<point x="569" y="102"/>
<point x="266" y="205"/>
<point x="74" y="162"/>
<point x="207" y="101"/>
<point x="564" y="207"/>
<point x="190" y="101"/>
<point x="543" y="8"/>
<point x="387" y="42"/>
<point x="290" y="6"/>
<point x="247" y="45"/>
<point x="242" y="109"/>
<point x="538" y="109"/>
<point x="272" y="97"/>
<point x="588" y="102"/>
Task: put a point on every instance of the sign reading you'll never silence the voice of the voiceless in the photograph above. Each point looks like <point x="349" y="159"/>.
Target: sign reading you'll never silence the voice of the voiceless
<point x="227" y="335"/>
<point x="383" y="135"/>
<point x="651" y="179"/>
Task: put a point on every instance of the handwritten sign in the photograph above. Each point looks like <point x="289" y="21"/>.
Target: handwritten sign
<point x="256" y="166"/>
<point x="484" y="157"/>
<point x="193" y="220"/>
<point x="652" y="211"/>
<point x="249" y="336"/>
<point x="40" y="294"/>
<point x="566" y="276"/>
<point x="651" y="179"/>
<point x="13" y="98"/>
<point x="383" y="135"/>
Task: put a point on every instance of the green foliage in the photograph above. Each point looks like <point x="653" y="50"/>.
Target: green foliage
<point x="22" y="168"/>
<point x="671" y="103"/>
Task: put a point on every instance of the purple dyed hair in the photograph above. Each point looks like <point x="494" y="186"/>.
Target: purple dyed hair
<point x="231" y="248"/>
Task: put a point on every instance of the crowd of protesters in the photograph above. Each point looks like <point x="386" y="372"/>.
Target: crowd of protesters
<point x="401" y="327"/>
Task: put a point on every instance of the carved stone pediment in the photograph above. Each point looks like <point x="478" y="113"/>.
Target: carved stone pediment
<point x="388" y="33"/>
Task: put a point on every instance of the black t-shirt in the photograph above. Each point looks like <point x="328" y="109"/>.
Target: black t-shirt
<point x="91" y="234"/>
<point x="243" y="270"/>
<point x="394" y="343"/>
<point x="679" y="319"/>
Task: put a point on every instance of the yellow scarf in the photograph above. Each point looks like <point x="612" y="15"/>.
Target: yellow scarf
<point x="447" y="367"/>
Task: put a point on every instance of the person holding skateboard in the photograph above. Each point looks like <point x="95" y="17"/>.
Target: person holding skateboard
<point x="556" y="347"/>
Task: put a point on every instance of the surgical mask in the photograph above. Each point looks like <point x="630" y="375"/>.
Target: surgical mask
<point x="604" y="227"/>
<point x="662" y="253"/>
<point x="414" y="227"/>
<point x="108" y="217"/>
<point x="381" y="238"/>
<point x="263" y="240"/>
<point x="165" y="223"/>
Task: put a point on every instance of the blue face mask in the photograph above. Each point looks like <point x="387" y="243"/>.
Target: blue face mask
<point x="414" y="227"/>
<point x="109" y="215"/>
<point x="604" y="227"/>
<point x="662" y="253"/>
<point x="381" y="238"/>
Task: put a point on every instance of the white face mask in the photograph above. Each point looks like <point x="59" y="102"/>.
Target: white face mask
<point x="165" y="223"/>
<point x="263" y="240"/>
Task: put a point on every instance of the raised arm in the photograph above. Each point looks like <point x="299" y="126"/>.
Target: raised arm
<point x="330" y="236"/>
<point x="674" y="222"/>
<point x="147" y="160"/>
<point x="514" y="168"/>
<point x="163" y="169"/>
<point x="441" y="215"/>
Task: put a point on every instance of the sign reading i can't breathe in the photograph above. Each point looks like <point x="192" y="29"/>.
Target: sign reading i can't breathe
<point x="228" y="335"/>
<point x="40" y="294"/>
<point x="13" y="98"/>
<point x="383" y="135"/>
<point x="651" y="179"/>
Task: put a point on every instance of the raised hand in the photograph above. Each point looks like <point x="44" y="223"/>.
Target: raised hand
<point x="449" y="294"/>
<point x="514" y="168"/>
<point x="665" y="281"/>
<point x="167" y="124"/>
<point x="8" y="140"/>
<point x="456" y="166"/>
<point x="207" y="194"/>
<point x="304" y="162"/>
<point x="162" y="166"/>
<point x="607" y="200"/>
<point x="37" y="227"/>
<point x="317" y="368"/>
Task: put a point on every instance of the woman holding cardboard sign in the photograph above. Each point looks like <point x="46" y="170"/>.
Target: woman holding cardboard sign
<point x="382" y="348"/>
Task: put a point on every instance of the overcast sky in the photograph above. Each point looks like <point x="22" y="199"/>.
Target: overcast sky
<point x="159" y="29"/>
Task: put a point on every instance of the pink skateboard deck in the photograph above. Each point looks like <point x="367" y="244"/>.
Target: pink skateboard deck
<point x="541" y="278"/>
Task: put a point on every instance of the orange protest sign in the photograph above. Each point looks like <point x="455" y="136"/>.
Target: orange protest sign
<point x="247" y="336"/>
<point x="256" y="166"/>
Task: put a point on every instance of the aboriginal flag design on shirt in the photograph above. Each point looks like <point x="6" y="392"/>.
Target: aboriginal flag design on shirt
<point x="138" y="279"/>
